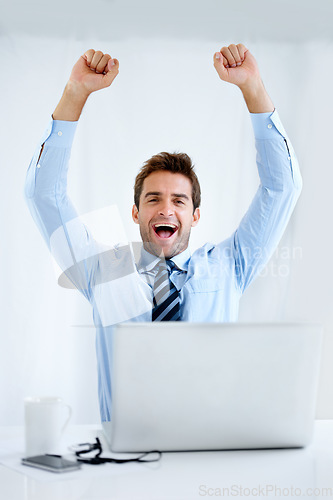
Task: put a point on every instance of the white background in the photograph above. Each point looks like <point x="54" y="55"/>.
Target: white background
<point x="167" y="97"/>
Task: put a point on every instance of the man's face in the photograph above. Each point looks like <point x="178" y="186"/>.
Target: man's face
<point x="165" y="213"/>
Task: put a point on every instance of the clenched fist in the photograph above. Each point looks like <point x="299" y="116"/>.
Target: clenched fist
<point x="94" y="71"/>
<point x="235" y="64"/>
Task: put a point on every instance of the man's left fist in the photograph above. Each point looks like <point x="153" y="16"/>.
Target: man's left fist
<point x="235" y="64"/>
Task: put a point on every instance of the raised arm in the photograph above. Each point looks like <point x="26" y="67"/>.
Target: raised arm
<point x="46" y="183"/>
<point x="262" y="227"/>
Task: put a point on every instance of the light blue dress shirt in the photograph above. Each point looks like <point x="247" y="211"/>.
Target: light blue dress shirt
<point x="118" y="285"/>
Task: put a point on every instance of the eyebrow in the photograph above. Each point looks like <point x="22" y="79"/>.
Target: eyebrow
<point x="158" y="193"/>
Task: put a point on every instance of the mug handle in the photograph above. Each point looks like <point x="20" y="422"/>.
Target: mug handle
<point x="68" y="418"/>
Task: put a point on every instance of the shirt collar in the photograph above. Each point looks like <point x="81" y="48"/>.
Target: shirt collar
<point x="148" y="261"/>
<point x="182" y="259"/>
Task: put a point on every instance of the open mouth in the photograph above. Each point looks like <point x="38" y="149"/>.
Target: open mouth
<point x="163" y="230"/>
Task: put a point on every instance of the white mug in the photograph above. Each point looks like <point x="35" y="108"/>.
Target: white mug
<point x="45" y="421"/>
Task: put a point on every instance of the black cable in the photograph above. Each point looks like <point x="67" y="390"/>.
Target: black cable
<point x="97" y="459"/>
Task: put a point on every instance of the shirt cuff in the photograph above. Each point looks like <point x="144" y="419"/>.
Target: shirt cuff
<point x="59" y="133"/>
<point x="267" y="125"/>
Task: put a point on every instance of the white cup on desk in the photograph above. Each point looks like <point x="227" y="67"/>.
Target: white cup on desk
<point x="45" y="421"/>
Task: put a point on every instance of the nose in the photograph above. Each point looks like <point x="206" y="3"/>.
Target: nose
<point x="166" y="209"/>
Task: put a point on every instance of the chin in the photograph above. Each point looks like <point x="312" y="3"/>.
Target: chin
<point x="166" y="253"/>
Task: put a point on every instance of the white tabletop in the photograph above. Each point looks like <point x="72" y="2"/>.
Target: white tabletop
<point x="300" y="473"/>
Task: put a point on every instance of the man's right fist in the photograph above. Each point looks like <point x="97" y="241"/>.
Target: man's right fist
<point x="94" y="71"/>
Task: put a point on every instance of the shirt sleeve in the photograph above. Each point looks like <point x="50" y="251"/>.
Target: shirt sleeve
<point x="262" y="227"/>
<point x="65" y="234"/>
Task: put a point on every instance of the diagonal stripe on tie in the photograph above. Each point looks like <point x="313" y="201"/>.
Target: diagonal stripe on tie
<point x="161" y="291"/>
<point x="161" y="278"/>
<point x="163" y="309"/>
<point x="173" y="314"/>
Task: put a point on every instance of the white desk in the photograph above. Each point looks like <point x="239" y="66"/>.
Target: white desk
<point x="298" y="473"/>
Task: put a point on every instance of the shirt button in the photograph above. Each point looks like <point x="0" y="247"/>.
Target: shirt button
<point x="60" y="133"/>
<point x="38" y="165"/>
<point x="269" y="125"/>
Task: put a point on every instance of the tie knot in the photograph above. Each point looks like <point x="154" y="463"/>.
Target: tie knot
<point x="170" y="265"/>
<point x="165" y="265"/>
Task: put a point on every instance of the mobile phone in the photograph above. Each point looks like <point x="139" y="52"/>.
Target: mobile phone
<point x="53" y="463"/>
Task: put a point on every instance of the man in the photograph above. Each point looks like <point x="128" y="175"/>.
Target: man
<point x="167" y="282"/>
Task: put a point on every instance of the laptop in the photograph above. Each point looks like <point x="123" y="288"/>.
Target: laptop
<point x="179" y="386"/>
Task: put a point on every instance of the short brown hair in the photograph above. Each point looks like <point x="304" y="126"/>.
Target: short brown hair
<point x="177" y="163"/>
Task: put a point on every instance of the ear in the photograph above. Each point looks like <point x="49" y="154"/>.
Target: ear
<point x="135" y="214"/>
<point x="196" y="217"/>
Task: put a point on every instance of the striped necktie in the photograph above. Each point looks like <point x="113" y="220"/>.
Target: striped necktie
<point x="166" y="295"/>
